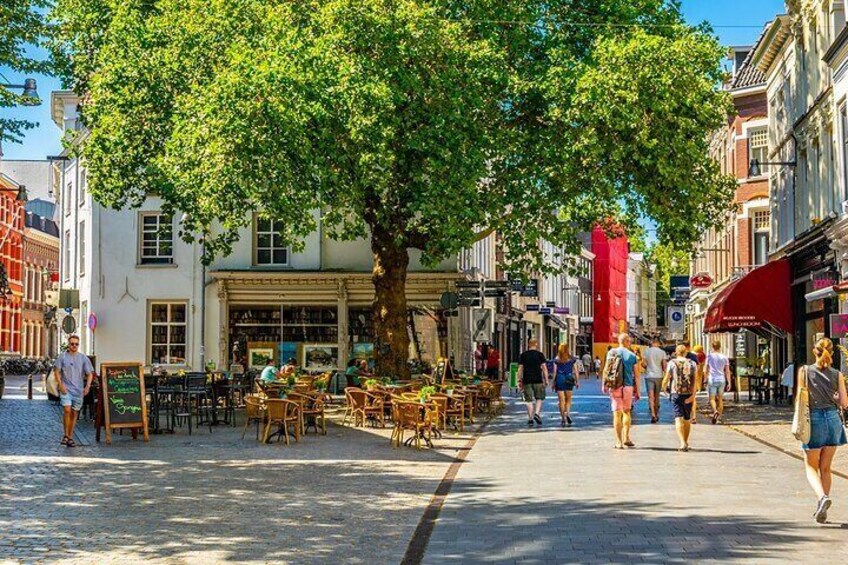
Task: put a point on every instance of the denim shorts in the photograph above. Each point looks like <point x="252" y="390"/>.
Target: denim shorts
<point x="563" y="384"/>
<point x="716" y="389"/>
<point x="680" y="407"/>
<point x="825" y="429"/>
<point x="72" y="400"/>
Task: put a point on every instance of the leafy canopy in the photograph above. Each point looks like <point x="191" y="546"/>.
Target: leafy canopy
<point x="428" y="122"/>
<point x="23" y="27"/>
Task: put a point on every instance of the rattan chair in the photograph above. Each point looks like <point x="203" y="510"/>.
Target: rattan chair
<point x="411" y="416"/>
<point x="254" y="411"/>
<point x="311" y="409"/>
<point x="362" y="406"/>
<point x="285" y="414"/>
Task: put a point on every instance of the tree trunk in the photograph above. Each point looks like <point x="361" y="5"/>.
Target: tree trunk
<point x="391" y="339"/>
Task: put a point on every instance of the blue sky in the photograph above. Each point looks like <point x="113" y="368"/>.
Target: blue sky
<point x="737" y="22"/>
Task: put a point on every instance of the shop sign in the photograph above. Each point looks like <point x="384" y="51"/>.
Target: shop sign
<point x="561" y="310"/>
<point x="838" y="326"/>
<point x="701" y="280"/>
<point x="532" y="307"/>
<point x="545" y="310"/>
<point x="823" y="280"/>
<point x="741" y="346"/>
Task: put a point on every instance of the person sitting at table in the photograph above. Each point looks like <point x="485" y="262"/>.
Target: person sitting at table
<point x="356" y="368"/>
<point x="270" y="372"/>
<point x="290" y="368"/>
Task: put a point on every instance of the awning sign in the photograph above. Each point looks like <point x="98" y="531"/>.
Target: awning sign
<point x="838" y="326"/>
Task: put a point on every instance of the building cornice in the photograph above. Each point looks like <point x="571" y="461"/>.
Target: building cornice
<point x="772" y="42"/>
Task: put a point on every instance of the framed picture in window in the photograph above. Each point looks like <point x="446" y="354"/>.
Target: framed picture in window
<point x="257" y="357"/>
<point x="319" y="357"/>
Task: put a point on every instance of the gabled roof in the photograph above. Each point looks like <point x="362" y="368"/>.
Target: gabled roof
<point x="771" y="42"/>
<point x="748" y="75"/>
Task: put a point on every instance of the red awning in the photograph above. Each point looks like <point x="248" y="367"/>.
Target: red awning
<point x="761" y="300"/>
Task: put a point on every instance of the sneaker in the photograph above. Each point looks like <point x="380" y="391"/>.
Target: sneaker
<point x="715" y="418"/>
<point x="821" y="510"/>
<point x="530" y="423"/>
<point x="562" y="424"/>
<point x="629" y="443"/>
<point x="537" y="419"/>
<point x="568" y="419"/>
<point x="654" y="419"/>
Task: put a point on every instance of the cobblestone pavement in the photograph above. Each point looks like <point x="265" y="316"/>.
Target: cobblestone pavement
<point x="212" y="497"/>
<point x="566" y="496"/>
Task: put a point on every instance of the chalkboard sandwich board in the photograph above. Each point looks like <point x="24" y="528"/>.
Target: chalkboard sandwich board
<point x="443" y="371"/>
<point x="123" y="397"/>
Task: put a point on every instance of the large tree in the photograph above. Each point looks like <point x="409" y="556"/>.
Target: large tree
<point x="23" y="29"/>
<point x="419" y="124"/>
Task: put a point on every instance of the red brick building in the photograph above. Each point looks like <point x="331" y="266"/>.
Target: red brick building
<point x="12" y="214"/>
<point x="41" y="269"/>
<point x="742" y="243"/>
<point x="609" y="289"/>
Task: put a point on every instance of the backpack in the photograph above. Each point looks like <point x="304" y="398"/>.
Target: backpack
<point x="614" y="371"/>
<point x="685" y="376"/>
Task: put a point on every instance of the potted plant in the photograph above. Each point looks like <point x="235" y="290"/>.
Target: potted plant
<point x="425" y="393"/>
<point x="320" y="385"/>
<point x="449" y="390"/>
<point x="211" y="366"/>
<point x="371" y="384"/>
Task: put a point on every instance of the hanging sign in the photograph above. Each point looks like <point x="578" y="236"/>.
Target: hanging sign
<point x="92" y="321"/>
<point x="701" y="280"/>
<point x="838" y="326"/>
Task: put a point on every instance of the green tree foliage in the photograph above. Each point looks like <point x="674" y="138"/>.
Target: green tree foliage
<point x="422" y="124"/>
<point x="22" y="25"/>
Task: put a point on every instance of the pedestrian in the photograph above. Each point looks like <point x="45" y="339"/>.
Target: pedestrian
<point x="680" y="376"/>
<point x="787" y="380"/>
<point x="597" y="366"/>
<point x="533" y="380"/>
<point x="621" y="383"/>
<point x="586" y="359"/>
<point x="718" y="379"/>
<point x="74" y="373"/>
<point x="827" y="396"/>
<point x="290" y="368"/>
<point x="655" y="365"/>
<point x="696" y="355"/>
<point x="493" y="363"/>
<point x="566" y="379"/>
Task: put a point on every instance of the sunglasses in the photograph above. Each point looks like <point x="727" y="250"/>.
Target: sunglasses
<point x="73" y="344"/>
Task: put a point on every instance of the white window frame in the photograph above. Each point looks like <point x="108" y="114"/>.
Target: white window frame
<point x="759" y="230"/>
<point x="168" y="324"/>
<point x="81" y="238"/>
<point x="66" y="258"/>
<point x="759" y="151"/>
<point x="272" y="248"/>
<point x="83" y="181"/>
<point x="155" y="255"/>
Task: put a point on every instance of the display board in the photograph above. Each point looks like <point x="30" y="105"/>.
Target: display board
<point x="442" y="370"/>
<point x="124" y="403"/>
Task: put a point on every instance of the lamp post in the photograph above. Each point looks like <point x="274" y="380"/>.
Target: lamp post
<point x="29" y="97"/>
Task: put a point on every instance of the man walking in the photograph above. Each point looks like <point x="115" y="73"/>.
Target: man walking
<point x="621" y="361"/>
<point x="533" y="380"/>
<point x="493" y="363"/>
<point x="588" y="365"/>
<point x="655" y="362"/>
<point x="718" y="379"/>
<point x="74" y="374"/>
<point x="681" y="376"/>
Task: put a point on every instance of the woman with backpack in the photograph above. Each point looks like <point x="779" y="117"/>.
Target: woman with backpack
<point x="681" y="373"/>
<point x="567" y="376"/>
<point x="827" y="396"/>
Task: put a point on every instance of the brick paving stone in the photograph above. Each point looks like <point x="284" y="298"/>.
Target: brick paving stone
<point x="208" y="498"/>
<point x="527" y="494"/>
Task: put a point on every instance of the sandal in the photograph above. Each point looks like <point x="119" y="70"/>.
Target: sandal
<point x="64" y="440"/>
<point x="71" y="443"/>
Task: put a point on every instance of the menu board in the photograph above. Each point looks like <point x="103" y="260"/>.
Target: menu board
<point x="441" y="370"/>
<point x="123" y="397"/>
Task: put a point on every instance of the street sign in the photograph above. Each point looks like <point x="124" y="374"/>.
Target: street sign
<point x="532" y="307"/>
<point x="701" y="280"/>
<point x="676" y="317"/>
<point x="469" y="293"/>
<point x="544" y="310"/>
<point x="494" y="293"/>
<point x="550" y="304"/>
<point x="474" y="302"/>
<point x="467" y="284"/>
<point x="69" y="324"/>
<point x="92" y="321"/>
<point x="449" y="300"/>
<point x="482" y="323"/>
<point x="561" y="310"/>
<point x="531" y="288"/>
<point x="496" y="284"/>
<point x="451" y="313"/>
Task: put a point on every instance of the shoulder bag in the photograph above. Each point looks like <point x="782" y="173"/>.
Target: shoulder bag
<point x="801" y="419"/>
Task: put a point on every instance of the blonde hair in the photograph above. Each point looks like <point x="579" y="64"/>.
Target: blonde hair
<point x="563" y="352"/>
<point x="680" y="351"/>
<point x="823" y="350"/>
<point x="716" y="345"/>
<point x="698" y="349"/>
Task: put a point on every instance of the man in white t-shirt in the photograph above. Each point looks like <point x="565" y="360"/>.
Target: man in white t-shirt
<point x="654" y="361"/>
<point x="718" y="379"/>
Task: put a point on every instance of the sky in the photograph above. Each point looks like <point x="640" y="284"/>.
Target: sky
<point x="736" y="22"/>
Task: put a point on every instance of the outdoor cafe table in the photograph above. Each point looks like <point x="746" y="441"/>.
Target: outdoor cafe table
<point x="763" y="384"/>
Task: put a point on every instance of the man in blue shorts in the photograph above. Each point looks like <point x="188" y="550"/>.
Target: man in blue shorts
<point x="74" y="374"/>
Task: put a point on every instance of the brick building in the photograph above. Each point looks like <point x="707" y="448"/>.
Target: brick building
<point x="12" y="214"/>
<point x="41" y="270"/>
<point x="742" y="242"/>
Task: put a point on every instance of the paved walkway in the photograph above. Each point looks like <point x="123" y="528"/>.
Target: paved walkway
<point x="208" y="498"/>
<point x="566" y="496"/>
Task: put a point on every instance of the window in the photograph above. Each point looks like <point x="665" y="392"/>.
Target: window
<point x="81" y="248"/>
<point x="268" y="243"/>
<point x="157" y="239"/>
<point x="758" y="147"/>
<point x="82" y="184"/>
<point x="762" y="228"/>
<point x="168" y="333"/>
<point x="83" y="326"/>
<point x="843" y="118"/>
<point x="67" y="198"/>
<point x="66" y="261"/>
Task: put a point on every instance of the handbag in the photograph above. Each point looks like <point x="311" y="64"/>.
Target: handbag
<point x="801" y="419"/>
